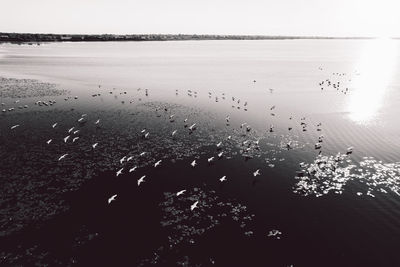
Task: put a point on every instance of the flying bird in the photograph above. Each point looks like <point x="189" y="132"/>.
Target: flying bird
<point x="122" y="159"/>
<point x="180" y="192"/>
<point x="71" y="129"/>
<point x="210" y="159"/>
<point x="192" y="127"/>
<point x="132" y="169"/>
<point x="112" y="198"/>
<point x="193" y="163"/>
<point x="157" y="163"/>
<point x="94" y="145"/>
<point x="119" y="172"/>
<point x="256" y="173"/>
<point x="220" y="154"/>
<point x="49" y="141"/>
<point x="141" y="180"/>
<point x="194" y="205"/>
<point x="223" y="178"/>
<point x="62" y="157"/>
<point x="97" y="122"/>
<point x="66" y="138"/>
<point x="54" y="125"/>
<point x="74" y="139"/>
<point x="15" y="126"/>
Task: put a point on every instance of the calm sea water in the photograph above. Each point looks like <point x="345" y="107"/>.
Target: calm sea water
<point x="358" y="225"/>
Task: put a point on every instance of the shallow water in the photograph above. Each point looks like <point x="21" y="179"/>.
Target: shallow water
<point x="326" y="208"/>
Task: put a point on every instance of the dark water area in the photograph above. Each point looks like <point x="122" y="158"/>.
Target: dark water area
<point x="310" y="176"/>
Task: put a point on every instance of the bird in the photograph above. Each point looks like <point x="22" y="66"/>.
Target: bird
<point x="81" y="119"/>
<point x="210" y="159"/>
<point x="15" y="126"/>
<point x="220" y="154"/>
<point x="129" y="158"/>
<point x="122" y="159"/>
<point x="62" y="157"/>
<point x="49" y="141"/>
<point x="146" y="135"/>
<point x="133" y="169"/>
<point x="194" y="205"/>
<point x="66" y="138"/>
<point x="54" y="125"/>
<point x="119" y="172"/>
<point x="193" y="163"/>
<point x="74" y="139"/>
<point x="75" y="132"/>
<point x="157" y="163"/>
<point x="192" y="127"/>
<point x="180" y="192"/>
<point x="219" y="144"/>
<point x="71" y="129"/>
<point x="94" y="145"/>
<point x="349" y="150"/>
<point x="223" y="178"/>
<point x="174" y="132"/>
<point x="273" y="107"/>
<point x="256" y="173"/>
<point x="141" y="180"/>
<point x="229" y="137"/>
<point x="97" y="122"/>
<point x="112" y="198"/>
<point x="142" y="154"/>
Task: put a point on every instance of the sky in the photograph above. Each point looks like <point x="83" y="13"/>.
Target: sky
<point x="378" y="18"/>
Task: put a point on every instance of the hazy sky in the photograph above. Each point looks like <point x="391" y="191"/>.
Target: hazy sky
<point x="268" y="17"/>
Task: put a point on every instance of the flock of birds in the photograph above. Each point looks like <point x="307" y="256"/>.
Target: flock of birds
<point x="73" y="133"/>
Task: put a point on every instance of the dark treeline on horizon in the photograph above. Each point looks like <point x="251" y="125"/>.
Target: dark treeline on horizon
<point x="44" y="37"/>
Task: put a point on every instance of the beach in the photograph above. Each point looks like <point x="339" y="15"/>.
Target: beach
<point x="285" y="161"/>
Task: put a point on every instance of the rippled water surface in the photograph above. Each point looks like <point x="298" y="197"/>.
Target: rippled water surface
<point x="316" y="118"/>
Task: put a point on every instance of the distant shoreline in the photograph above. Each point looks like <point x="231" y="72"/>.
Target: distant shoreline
<point x="39" y="38"/>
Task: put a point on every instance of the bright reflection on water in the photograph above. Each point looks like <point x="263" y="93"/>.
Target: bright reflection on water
<point x="374" y="74"/>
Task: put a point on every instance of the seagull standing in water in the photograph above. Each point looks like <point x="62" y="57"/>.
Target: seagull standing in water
<point x="141" y="180"/>
<point x="119" y="172"/>
<point x="256" y="173"/>
<point x="194" y="205"/>
<point x="112" y="198"/>
<point x="193" y="163"/>
<point x="180" y="192"/>
<point x="62" y="157"/>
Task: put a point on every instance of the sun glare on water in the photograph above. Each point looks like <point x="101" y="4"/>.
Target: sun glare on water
<point x="374" y="74"/>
